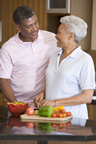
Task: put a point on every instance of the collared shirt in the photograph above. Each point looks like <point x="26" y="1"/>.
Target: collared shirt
<point x="25" y="63"/>
<point x="74" y="74"/>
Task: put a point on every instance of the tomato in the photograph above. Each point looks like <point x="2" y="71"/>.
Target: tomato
<point x="57" y="114"/>
<point x="60" y="115"/>
<point x="60" y="125"/>
<point x="30" y="111"/>
<point x="64" y="124"/>
<point x="68" y="114"/>
<point x="54" y="115"/>
<point x="59" y="110"/>
<point x="64" y="115"/>
<point x="63" y="111"/>
<point x="63" y="128"/>
<point x="54" y="124"/>
<point x="68" y="123"/>
<point x="30" y="124"/>
<point x="55" y="111"/>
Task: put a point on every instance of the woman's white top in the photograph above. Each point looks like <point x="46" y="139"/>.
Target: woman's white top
<point x="74" y="74"/>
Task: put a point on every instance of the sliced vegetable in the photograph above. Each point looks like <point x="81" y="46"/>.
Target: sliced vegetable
<point x="17" y="102"/>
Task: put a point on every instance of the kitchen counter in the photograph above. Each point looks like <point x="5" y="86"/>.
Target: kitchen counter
<point x="13" y="128"/>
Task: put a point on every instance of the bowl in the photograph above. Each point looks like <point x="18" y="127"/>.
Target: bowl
<point x="15" y="121"/>
<point x="17" y="108"/>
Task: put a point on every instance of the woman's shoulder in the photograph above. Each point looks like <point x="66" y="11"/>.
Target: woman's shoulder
<point x="86" y="55"/>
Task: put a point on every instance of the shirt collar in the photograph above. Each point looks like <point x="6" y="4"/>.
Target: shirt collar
<point x="17" y="39"/>
<point x="60" y="52"/>
<point x="74" y="54"/>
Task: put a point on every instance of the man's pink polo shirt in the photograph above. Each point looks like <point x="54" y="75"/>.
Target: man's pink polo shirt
<point x="25" y="63"/>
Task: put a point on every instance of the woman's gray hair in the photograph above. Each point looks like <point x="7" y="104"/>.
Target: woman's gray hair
<point x="75" y="25"/>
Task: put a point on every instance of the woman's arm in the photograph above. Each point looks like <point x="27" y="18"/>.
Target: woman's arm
<point x="85" y="97"/>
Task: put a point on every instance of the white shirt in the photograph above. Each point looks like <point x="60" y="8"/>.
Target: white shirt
<point x="74" y="74"/>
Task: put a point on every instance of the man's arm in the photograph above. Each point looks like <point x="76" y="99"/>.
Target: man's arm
<point x="7" y="90"/>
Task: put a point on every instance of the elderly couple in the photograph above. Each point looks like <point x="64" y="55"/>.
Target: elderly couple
<point x="42" y="68"/>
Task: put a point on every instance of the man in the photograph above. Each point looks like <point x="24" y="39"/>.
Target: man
<point x="24" y="58"/>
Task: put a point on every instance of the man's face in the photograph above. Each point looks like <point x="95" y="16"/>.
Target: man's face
<point x="29" y="29"/>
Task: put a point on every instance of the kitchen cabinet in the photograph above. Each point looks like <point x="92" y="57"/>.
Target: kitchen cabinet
<point x="91" y="111"/>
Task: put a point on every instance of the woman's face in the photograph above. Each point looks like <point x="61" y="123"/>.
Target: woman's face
<point x="62" y="36"/>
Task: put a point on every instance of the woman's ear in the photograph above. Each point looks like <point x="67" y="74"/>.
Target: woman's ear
<point x="71" y="36"/>
<point x="18" y="28"/>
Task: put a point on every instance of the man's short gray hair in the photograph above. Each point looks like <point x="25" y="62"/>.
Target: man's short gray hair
<point x="75" y="25"/>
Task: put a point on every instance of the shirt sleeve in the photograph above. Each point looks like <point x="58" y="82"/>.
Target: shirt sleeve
<point x="87" y="76"/>
<point x="6" y="64"/>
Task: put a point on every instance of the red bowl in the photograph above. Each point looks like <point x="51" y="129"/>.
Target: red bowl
<point x="15" y="121"/>
<point x="17" y="109"/>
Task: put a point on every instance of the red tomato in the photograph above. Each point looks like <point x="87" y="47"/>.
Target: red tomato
<point x="59" y="110"/>
<point x="64" y="124"/>
<point x="57" y="114"/>
<point x="30" y="111"/>
<point x="63" y="111"/>
<point x="60" y="125"/>
<point x="54" y="124"/>
<point x="54" y="115"/>
<point x="64" y="115"/>
<point x="63" y="128"/>
<point x="30" y="124"/>
<point x="68" y="114"/>
<point x="68" y="123"/>
<point x="60" y="115"/>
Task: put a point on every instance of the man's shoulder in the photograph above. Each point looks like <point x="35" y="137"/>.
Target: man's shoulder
<point x="10" y="42"/>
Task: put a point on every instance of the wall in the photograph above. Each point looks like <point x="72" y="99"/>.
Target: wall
<point x="81" y="8"/>
<point x="6" y="12"/>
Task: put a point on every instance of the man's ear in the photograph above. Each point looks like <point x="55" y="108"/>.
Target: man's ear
<point x="18" y="28"/>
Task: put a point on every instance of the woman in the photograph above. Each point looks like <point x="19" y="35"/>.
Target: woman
<point x="70" y="76"/>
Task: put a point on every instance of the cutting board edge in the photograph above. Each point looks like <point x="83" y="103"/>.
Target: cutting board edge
<point x="26" y="118"/>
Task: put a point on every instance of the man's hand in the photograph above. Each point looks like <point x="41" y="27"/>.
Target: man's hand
<point x="38" y="100"/>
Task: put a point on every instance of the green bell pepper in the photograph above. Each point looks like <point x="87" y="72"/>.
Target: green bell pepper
<point x="46" y="111"/>
<point x="45" y="127"/>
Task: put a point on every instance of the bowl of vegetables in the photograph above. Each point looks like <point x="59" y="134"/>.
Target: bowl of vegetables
<point x="17" y="107"/>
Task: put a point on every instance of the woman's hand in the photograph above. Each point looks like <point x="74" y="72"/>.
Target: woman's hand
<point x="38" y="100"/>
<point x="48" y="102"/>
